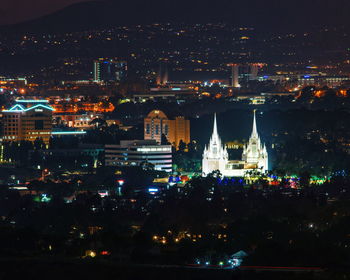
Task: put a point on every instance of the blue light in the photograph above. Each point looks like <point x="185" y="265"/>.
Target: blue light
<point x="153" y="190"/>
<point x="17" y="107"/>
<point x="307" y="76"/>
<point x="40" y="105"/>
<point x="20" y="108"/>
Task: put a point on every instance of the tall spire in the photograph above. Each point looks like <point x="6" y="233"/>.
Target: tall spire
<point x="215" y="129"/>
<point x="255" y="131"/>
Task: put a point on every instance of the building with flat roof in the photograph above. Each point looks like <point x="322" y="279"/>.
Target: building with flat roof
<point x="157" y="124"/>
<point x="138" y="153"/>
<point x="28" y="120"/>
<point x="320" y="81"/>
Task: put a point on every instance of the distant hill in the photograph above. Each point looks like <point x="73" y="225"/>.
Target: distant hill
<point x="77" y="17"/>
<point x="264" y="15"/>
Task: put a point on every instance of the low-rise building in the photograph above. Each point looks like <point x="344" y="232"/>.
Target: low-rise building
<point x="138" y="153"/>
<point x="79" y="121"/>
<point x="28" y="120"/>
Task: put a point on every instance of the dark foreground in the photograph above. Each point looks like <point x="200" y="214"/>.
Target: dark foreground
<point x="91" y="269"/>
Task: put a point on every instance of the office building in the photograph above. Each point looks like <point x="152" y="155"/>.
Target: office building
<point x="28" y="120"/>
<point x="243" y="73"/>
<point x="234" y="75"/>
<point x="157" y="124"/>
<point x="254" y="71"/>
<point x="139" y="153"/>
<point x="109" y="70"/>
<point x="321" y="81"/>
<point x="162" y="76"/>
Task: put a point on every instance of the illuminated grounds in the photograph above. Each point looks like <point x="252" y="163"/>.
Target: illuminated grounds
<point x="289" y="181"/>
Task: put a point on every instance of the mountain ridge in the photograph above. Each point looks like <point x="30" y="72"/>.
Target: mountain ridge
<point x="101" y="14"/>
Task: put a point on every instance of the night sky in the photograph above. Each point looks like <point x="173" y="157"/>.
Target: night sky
<point x="14" y="11"/>
<point x="264" y="13"/>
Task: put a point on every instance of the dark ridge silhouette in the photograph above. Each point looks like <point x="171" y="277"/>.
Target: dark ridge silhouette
<point x="271" y="15"/>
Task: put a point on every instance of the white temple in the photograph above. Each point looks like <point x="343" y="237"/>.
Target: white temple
<point x="254" y="157"/>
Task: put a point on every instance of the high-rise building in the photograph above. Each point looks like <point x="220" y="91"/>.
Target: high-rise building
<point x="254" y="157"/>
<point x="235" y="75"/>
<point x="157" y="124"/>
<point x="138" y="153"/>
<point x="243" y="73"/>
<point x="28" y="120"/>
<point x="109" y="70"/>
<point x="162" y="76"/>
<point x="254" y="70"/>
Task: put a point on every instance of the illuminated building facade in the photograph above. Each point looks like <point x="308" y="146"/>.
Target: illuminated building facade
<point x="107" y="70"/>
<point x="215" y="157"/>
<point x="157" y="124"/>
<point x="28" y="120"/>
<point x="139" y="153"/>
<point x="80" y="121"/>
<point x="235" y="75"/>
<point x="254" y="157"/>
<point x="162" y="76"/>
<point x="74" y="107"/>
<point x="254" y="152"/>
<point x="17" y="82"/>
<point x="321" y="81"/>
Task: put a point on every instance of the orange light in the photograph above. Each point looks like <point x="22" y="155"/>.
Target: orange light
<point x="319" y="93"/>
<point x="342" y="93"/>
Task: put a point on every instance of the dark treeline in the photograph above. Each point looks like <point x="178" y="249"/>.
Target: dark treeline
<point x="275" y="225"/>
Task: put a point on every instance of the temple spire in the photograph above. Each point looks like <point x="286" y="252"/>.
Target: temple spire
<point x="255" y="131"/>
<point x="215" y="129"/>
